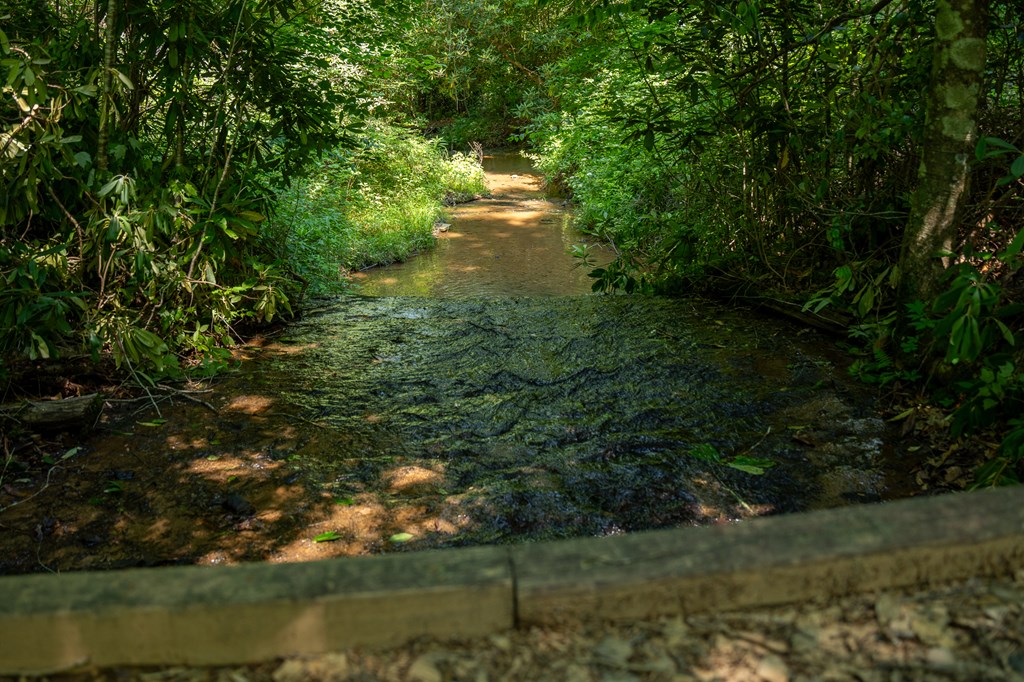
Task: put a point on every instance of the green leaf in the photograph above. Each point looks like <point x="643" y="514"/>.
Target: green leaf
<point x="649" y="140"/>
<point x="1007" y="334"/>
<point x="706" y="452"/>
<point x="1017" y="168"/>
<point x="1015" y="247"/>
<point x="399" y="538"/>
<point x="903" y="415"/>
<point x="344" y="501"/>
<point x="109" y="187"/>
<point x="1001" y="147"/>
<point x="329" y="536"/>
<point x="751" y="465"/>
<point x="124" y="79"/>
<point x="71" y="453"/>
<point x="153" y="424"/>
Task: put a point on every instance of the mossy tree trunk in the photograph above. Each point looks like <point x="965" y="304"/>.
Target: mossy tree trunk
<point x="106" y="83"/>
<point x="949" y="138"/>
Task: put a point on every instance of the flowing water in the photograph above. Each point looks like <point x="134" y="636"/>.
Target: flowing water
<point x="553" y="417"/>
<point x="514" y="243"/>
<point x="525" y="408"/>
<point x="479" y="395"/>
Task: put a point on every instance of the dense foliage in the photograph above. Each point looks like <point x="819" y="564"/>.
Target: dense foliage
<point x="786" y="147"/>
<point x="146" y="145"/>
<point x="371" y="205"/>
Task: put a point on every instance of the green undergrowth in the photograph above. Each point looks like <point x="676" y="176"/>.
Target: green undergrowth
<point x="372" y="205"/>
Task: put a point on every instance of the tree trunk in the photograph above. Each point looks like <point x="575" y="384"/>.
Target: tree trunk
<point x="949" y="137"/>
<point x="106" y="84"/>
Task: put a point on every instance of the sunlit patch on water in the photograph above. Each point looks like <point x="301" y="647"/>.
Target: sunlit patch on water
<point x="515" y="243"/>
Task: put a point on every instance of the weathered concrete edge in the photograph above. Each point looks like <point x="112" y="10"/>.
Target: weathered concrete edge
<point x="775" y="560"/>
<point x="199" y="615"/>
<point x="252" y="612"/>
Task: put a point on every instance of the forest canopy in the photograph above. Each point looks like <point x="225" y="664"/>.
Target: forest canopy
<point x="857" y="160"/>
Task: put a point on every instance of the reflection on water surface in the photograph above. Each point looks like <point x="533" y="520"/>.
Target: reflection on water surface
<point x="514" y="243"/>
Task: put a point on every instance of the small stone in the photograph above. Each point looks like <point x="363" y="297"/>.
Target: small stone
<point x="662" y="665"/>
<point x="932" y="627"/>
<point x="806" y="639"/>
<point x="887" y="609"/>
<point x="773" y="669"/>
<point x="424" y="669"/>
<point x="501" y="643"/>
<point x="236" y="504"/>
<point x="290" y="671"/>
<point x="893" y="617"/>
<point x="619" y="676"/>
<point x="575" y="672"/>
<point x="613" y="651"/>
<point x="676" y="633"/>
<point x="941" y="657"/>
<point x="1016" y="661"/>
<point x="327" y="668"/>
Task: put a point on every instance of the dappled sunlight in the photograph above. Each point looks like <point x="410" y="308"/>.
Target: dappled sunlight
<point x="514" y="243"/>
<point x="177" y="441"/>
<point x="158" y="531"/>
<point x="286" y="349"/>
<point x="221" y="468"/>
<point x="262" y="347"/>
<point x="250" y="404"/>
<point x="414" y="481"/>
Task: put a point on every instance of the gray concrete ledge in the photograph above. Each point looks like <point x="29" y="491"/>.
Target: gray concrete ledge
<point x="202" y="615"/>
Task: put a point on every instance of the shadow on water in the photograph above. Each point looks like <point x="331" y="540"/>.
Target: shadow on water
<point x="538" y="418"/>
<point x="407" y="422"/>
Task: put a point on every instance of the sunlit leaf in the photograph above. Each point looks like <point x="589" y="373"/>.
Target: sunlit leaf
<point x="329" y="536"/>
<point x="751" y="465"/>
<point x="153" y="424"/>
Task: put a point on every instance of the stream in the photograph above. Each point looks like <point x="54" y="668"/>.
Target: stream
<point x="475" y="394"/>
<point x="483" y="381"/>
<point x="514" y="243"/>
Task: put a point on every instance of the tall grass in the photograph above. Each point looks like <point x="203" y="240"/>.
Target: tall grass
<point x="373" y="205"/>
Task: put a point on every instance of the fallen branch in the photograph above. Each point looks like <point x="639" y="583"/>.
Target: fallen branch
<point x="55" y="414"/>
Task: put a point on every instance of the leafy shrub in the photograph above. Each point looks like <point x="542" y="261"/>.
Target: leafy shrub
<point x="371" y="205"/>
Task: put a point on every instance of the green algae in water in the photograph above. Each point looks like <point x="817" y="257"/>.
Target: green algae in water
<point x="563" y="417"/>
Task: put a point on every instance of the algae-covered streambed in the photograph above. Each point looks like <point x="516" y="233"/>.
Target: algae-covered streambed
<point x="530" y="418"/>
<point x="405" y="422"/>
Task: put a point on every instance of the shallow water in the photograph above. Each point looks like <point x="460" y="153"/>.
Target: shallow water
<point x="490" y="402"/>
<point x="514" y="243"/>
<point x="557" y="417"/>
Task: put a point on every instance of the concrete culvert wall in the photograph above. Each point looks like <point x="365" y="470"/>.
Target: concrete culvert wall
<point x="199" y="615"/>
